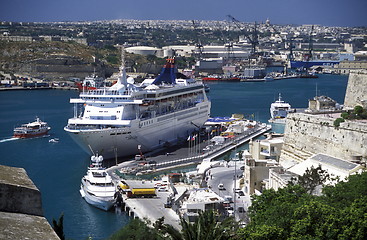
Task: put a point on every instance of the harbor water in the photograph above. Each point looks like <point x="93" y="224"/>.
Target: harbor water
<point x="57" y="168"/>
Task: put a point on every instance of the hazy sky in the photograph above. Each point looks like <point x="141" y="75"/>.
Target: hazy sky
<point x="323" y="12"/>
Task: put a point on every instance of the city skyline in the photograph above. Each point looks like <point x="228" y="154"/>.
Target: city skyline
<point x="325" y="12"/>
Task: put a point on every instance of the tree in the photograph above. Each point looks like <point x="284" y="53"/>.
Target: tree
<point x="312" y="178"/>
<point x="358" y="110"/>
<point x="346" y="192"/>
<point x="292" y="213"/>
<point x="206" y="226"/>
<point x="338" y="121"/>
<point x="59" y="227"/>
<point x="344" y="115"/>
<point x="137" y="229"/>
<point x="276" y="208"/>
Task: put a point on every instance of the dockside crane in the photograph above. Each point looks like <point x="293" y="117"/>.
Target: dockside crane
<point x="227" y="43"/>
<point x="253" y="37"/>
<point x="198" y="45"/>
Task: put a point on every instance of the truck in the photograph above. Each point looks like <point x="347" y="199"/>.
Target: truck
<point x="141" y="192"/>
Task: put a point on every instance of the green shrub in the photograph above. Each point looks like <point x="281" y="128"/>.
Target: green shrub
<point x="345" y="115"/>
<point x="338" y="121"/>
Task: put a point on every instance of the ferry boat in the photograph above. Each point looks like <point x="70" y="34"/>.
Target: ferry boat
<point x="279" y="110"/>
<point x="92" y="82"/>
<point x="32" y="129"/>
<point x="97" y="187"/>
<point x="127" y="118"/>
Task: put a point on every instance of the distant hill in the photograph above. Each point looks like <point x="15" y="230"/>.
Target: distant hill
<point x="62" y="60"/>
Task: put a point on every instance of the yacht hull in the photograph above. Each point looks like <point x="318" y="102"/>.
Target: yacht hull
<point x="104" y="203"/>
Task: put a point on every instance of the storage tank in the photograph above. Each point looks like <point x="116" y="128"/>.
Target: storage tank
<point x="145" y="50"/>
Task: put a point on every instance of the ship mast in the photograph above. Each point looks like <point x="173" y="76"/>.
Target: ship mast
<point x="122" y="79"/>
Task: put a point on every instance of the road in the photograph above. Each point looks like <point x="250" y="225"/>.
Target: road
<point x="225" y="174"/>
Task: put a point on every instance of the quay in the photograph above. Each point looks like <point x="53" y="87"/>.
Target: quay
<point x="163" y="203"/>
<point x="180" y="157"/>
<point x="36" y="88"/>
<point x="152" y="208"/>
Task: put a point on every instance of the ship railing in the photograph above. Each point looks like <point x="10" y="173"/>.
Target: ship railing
<point x="101" y="92"/>
<point x="90" y="127"/>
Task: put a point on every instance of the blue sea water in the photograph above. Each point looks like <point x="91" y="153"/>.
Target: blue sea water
<point x="57" y="168"/>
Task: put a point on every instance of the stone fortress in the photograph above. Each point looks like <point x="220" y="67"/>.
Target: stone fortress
<point x="308" y="134"/>
<point x="21" y="215"/>
<point x="310" y="140"/>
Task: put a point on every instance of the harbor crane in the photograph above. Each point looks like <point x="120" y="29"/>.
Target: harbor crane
<point x="199" y="46"/>
<point x="227" y="43"/>
<point x="253" y="37"/>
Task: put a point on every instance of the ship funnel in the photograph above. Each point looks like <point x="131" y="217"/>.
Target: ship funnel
<point x="168" y="73"/>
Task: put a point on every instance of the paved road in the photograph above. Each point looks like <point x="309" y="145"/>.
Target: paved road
<point x="225" y="174"/>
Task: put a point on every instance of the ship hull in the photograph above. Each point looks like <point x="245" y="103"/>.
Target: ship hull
<point x="104" y="203"/>
<point x="150" y="134"/>
<point x="30" y="135"/>
<point x="308" y="64"/>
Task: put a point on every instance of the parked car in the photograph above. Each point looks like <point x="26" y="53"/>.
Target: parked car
<point x="162" y="189"/>
<point x="221" y="186"/>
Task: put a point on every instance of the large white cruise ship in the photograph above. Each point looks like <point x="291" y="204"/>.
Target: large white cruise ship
<point x="127" y="118"/>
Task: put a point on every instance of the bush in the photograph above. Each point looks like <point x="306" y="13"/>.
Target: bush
<point x="338" y="121"/>
<point x="358" y="110"/>
<point x="345" y="115"/>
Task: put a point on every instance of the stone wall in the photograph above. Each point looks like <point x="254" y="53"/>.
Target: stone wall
<point x="356" y="93"/>
<point x="307" y="134"/>
<point x="18" y="193"/>
<point x="21" y="215"/>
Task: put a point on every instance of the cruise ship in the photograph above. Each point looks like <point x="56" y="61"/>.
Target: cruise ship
<point x="127" y="118"/>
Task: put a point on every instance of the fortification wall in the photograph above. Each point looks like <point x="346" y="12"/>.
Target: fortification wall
<point x="18" y="193"/>
<point x="21" y="215"/>
<point x="307" y="134"/>
<point x="356" y="93"/>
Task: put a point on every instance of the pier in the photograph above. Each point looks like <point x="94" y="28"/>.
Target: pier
<point x="160" y="205"/>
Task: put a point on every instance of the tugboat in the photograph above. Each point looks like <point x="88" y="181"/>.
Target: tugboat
<point x="97" y="187"/>
<point x="32" y="129"/>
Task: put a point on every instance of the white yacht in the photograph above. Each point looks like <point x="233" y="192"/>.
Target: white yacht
<point x="279" y="110"/>
<point x="97" y="187"/>
<point x="126" y="118"/>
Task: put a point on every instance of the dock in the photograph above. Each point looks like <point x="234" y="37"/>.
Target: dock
<point x="153" y="208"/>
<point x="180" y="157"/>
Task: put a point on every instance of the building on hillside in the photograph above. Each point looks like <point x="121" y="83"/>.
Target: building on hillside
<point x="268" y="148"/>
<point x="200" y="200"/>
<point x="322" y="104"/>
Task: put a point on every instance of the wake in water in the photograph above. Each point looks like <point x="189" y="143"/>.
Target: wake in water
<point x="8" y="139"/>
<point x="14" y="138"/>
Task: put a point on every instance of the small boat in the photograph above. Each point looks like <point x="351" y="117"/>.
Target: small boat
<point x="97" y="187"/>
<point x="279" y="110"/>
<point x="53" y="140"/>
<point x="32" y="129"/>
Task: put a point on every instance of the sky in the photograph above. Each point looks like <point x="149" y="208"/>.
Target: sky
<point x="348" y="13"/>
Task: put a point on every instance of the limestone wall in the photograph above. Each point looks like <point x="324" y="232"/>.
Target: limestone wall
<point x="307" y="134"/>
<point x="18" y="193"/>
<point x="21" y="215"/>
<point x="356" y="93"/>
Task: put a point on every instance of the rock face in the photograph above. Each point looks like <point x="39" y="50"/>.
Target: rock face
<point x="356" y="93"/>
<point x="21" y="215"/>
<point x="307" y="134"/>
